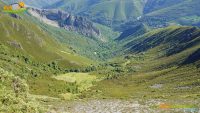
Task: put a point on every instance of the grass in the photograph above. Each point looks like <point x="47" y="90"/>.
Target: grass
<point x="110" y="13"/>
<point x="45" y="85"/>
<point x="138" y="85"/>
<point x="83" y="80"/>
<point x="35" y="42"/>
<point x="84" y="46"/>
<point x="30" y="42"/>
<point x="66" y="86"/>
<point x="31" y="53"/>
<point x="176" y="13"/>
<point x="107" y="32"/>
<point x="146" y="68"/>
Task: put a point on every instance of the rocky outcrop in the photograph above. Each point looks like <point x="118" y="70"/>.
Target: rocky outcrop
<point x="66" y="20"/>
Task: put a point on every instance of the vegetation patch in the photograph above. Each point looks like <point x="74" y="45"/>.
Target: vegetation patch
<point x="83" y="80"/>
<point x="14" y="95"/>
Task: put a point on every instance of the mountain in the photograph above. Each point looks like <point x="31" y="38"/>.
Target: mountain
<point x="30" y="56"/>
<point x="153" y="5"/>
<point x="170" y="46"/>
<point x="162" y="13"/>
<point x="108" y="12"/>
<point x="174" y="41"/>
<point x="61" y="19"/>
<point x="90" y="47"/>
<point x="119" y="13"/>
<point x="26" y="43"/>
<point x="184" y="12"/>
<point x="162" y="64"/>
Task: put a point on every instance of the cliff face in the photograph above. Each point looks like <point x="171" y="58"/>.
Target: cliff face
<point x="66" y="20"/>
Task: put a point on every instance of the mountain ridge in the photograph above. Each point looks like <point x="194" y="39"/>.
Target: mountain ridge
<point x="118" y="12"/>
<point x="111" y="13"/>
<point x="58" y="18"/>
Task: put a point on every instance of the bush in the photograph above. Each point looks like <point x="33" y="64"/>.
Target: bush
<point x="14" y="96"/>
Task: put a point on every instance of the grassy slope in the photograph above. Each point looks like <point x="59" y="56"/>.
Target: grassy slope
<point x="153" y="5"/>
<point x="113" y="12"/>
<point x="172" y="45"/>
<point x="84" y="46"/>
<point x="181" y="6"/>
<point x="107" y="32"/>
<point x="41" y="44"/>
<point x="133" y="32"/>
<point x="30" y="52"/>
<point x="35" y="42"/>
<point x="185" y="12"/>
<point x="161" y="13"/>
<point x="104" y="11"/>
<point x="155" y="70"/>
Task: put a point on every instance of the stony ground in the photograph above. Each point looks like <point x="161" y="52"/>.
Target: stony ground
<point x="117" y="106"/>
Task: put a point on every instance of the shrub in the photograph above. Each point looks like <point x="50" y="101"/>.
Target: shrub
<point x="14" y="96"/>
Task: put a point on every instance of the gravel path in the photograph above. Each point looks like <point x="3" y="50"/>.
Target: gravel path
<point x="115" y="106"/>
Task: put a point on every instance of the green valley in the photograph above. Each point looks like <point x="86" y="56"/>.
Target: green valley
<point x="156" y="66"/>
<point x="117" y="56"/>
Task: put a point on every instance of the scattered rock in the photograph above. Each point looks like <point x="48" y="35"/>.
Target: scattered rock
<point x="15" y="44"/>
<point x="118" y="106"/>
<point x="183" y="87"/>
<point x="157" y="86"/>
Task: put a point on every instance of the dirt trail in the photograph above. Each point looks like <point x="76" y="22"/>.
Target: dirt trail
<point x="116" y="106"/>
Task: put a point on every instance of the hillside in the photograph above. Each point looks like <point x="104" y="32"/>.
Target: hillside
<point x="114" y="13"/>
<point x="174" y="38"/>
<point x="172" y="41"/>
<point x="133" y="31"/>
<point x="37" y="52"/>
<point x="161" y="64"/>
<point x="93" y="48"/>
<point x="105" y="12"/>
<point x="32" y="53"/>
<point x="174" y="46"/>
<point x="162" y="13"/>
<point x="184" y="13"/>
<point x="153" y="5"/>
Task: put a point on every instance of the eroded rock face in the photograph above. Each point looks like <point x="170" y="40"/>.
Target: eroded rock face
<point x="66" y="20"/>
